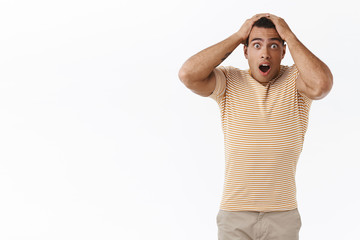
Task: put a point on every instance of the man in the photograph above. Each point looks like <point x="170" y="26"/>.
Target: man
<point x="264" y="113"/>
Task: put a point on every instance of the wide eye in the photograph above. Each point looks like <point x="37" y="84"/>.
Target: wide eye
<point x="256" y="45"/>
<point x="274" y="45"/>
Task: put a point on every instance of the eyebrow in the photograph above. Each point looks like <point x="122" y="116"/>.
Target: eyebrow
<point x="272" y="39"/>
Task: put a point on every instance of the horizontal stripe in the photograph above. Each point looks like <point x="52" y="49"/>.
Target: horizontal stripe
<point x="264" y="129"/>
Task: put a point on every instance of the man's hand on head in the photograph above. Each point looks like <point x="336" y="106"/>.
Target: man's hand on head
<point x="281" y="27"/>
<point x="245" y="29"/>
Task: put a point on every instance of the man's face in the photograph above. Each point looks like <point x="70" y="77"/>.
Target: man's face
<point x="264" y="53"/>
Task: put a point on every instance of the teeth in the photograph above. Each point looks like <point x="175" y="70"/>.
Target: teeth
<point x="265" y="65"/>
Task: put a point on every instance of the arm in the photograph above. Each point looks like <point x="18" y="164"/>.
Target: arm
<point x="315" y="79"/>
<point x="197" y="72"/>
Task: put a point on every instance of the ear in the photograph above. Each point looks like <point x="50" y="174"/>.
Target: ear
<point x="284" y="51"/>
<point x="245" y="51"/>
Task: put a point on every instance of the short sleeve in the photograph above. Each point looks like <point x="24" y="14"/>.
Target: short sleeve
<point x="220" y="85"/>
<point x="304" y="103"/>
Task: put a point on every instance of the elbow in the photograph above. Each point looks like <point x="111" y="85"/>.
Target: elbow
<point x="186" y="78"/>
<point x="183" y="75"/>
<point x="324" y="87"/>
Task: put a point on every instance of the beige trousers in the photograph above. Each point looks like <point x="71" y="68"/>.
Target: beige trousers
<point x="252" y="225"/>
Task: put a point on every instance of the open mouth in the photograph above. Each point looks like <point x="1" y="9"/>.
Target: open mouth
<point x="264" y="68"/>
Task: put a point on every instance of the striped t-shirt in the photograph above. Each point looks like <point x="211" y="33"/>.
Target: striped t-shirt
<point x="264" y="129"/>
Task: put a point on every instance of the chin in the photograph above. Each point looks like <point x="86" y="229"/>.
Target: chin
<point x="265" y="78"/>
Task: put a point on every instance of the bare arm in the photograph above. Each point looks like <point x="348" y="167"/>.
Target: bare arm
<point x="315" y="79"/>
<point x="197" y="72"/>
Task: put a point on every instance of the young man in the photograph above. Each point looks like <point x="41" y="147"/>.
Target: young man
<point x="264" y="113"/>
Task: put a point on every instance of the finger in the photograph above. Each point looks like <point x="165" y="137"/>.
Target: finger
<point x="257" y="17"/>
<point x="260" y="15"/>
<point x="273" y="17"/>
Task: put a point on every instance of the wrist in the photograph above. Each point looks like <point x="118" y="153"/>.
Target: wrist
<point x="290" y="39"/>
<point x="239" y="37"/>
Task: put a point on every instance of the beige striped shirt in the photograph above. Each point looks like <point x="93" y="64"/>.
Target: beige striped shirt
<point x="264" y="129"/>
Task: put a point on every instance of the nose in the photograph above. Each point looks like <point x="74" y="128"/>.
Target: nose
<point x="265" y="53"/>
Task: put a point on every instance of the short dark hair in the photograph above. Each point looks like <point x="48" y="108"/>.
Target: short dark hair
<point x="263" y="22"/>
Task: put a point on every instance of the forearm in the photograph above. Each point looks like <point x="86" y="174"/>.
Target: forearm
<point x="200" y="66"/>
<point x="313" y="71"/>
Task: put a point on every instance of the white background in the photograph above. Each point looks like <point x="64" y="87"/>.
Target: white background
<point x="100" y="140"/>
